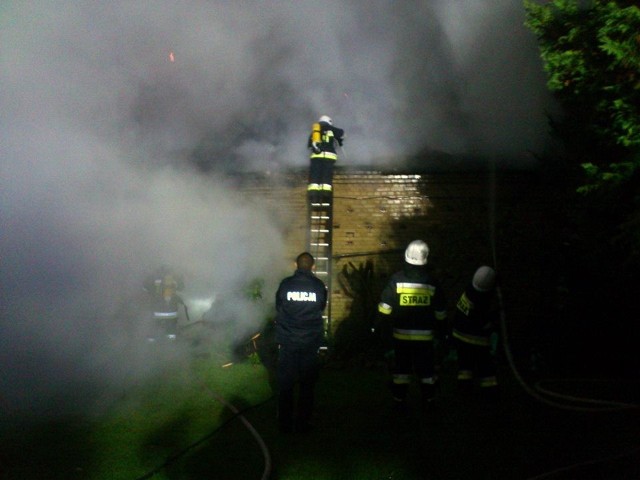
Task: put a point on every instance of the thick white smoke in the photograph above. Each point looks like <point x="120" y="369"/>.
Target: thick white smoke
<point x="118" y="120"/>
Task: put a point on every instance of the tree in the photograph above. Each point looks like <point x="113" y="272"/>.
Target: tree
<point x="591" y="52"/>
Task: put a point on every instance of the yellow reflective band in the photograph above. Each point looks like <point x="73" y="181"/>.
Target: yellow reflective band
<point x="428" y="380"/>
<point x="414" y="294"/>
<point x="165" y="314"/>
<point x="464" y="304"/>
<point x="413" y="300"/>
<point x="472" y="339"/>
<point x="325" y="155"/>
<point x="400" y="379"/>
<point x="403" y="334"/>
<point x="488" y="382"/>
<point x="465" y="375"/>
<point x="384" y="308"/>
<point x="326" y="187"/>
<point x="416" y="288"/>
<point x="314" y="187"/>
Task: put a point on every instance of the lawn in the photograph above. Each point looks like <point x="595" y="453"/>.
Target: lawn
<point x="141" y="428"/>
<point x="180" y="424"/>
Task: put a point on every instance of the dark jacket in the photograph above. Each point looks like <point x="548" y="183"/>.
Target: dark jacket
<point x="476" y="316"/>
<point x="329" y="135"/>
<point x="300" y="302"/>
<point x="416" y="303"/>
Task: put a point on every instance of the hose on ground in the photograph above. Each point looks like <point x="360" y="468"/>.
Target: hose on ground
<point x="236" y="413"/>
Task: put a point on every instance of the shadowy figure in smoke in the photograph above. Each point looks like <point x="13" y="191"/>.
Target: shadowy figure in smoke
<point x="163" y="287"/>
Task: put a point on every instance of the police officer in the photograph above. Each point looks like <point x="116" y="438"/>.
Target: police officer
<point x="474" y="322"/>
<point x="416" y="305"/>
<point x="300" y="302"/>
<point x="322" y="143"/>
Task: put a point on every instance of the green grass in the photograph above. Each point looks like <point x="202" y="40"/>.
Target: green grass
<point x="173" y="426"/>
<point x="170" y="414"/>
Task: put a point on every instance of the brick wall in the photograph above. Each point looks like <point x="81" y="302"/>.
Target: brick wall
<point x="377" y="213"/>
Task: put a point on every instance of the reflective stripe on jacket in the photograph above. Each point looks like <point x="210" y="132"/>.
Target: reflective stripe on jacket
<point x="415" y="302"/>
<point x="476" y="317"/>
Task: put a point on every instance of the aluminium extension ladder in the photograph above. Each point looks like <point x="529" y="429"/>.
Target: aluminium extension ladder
<point x="319" y="245"/>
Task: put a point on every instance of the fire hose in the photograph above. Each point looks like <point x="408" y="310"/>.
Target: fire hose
<point x="595" y="405"/>
<point x="252" y="430"/>
<point x="237" y="414"/>
<point x="579" y="404"/>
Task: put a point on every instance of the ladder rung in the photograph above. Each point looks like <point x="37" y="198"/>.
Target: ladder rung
<point x="320" y="225"/>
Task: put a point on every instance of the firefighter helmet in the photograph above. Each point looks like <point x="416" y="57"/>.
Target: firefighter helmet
<point x="484" y="279"/>
<point x="326" y="119"/>
<point x="417" y="253"/>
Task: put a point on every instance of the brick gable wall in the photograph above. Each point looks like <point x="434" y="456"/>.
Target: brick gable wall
<point x="377" y="213"/>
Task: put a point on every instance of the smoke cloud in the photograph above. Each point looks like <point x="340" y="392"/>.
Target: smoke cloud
<point x="119" y="120"/>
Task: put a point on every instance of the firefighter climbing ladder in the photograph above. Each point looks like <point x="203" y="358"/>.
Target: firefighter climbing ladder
<point x="319" y="243"/>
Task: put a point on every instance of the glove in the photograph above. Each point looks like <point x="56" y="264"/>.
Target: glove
<point x="315" y="147"/>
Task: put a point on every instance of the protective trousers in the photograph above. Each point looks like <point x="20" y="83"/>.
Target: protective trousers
<point x="413" y="357"/>
<point x="475" y="362"/>
<point x="320" y="179"/>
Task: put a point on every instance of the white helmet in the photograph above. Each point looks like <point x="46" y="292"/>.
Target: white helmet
<point x="326" y="119"/>
<point x="416" y="253"/>
<point x="484" y="279"/>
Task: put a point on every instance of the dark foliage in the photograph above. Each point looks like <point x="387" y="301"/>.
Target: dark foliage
<point x="360" y="337"/>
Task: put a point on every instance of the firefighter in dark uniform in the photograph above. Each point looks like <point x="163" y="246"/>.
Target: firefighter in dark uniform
<point x="416" y="305"/>
<point x="322" y="143"/>
<point x="474" y="322"/>
<point x="300" y="302"/>
<point x="163" y="287"/>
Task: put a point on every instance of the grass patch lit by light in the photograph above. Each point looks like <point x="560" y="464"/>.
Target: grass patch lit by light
<point x="169" y="413"/>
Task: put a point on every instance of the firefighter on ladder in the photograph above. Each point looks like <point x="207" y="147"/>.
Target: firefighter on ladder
<point x="322" y="143"/>
<point x="474" y="322"/>
<point x="417" y="308"/>
<point x="163" y="287"/>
